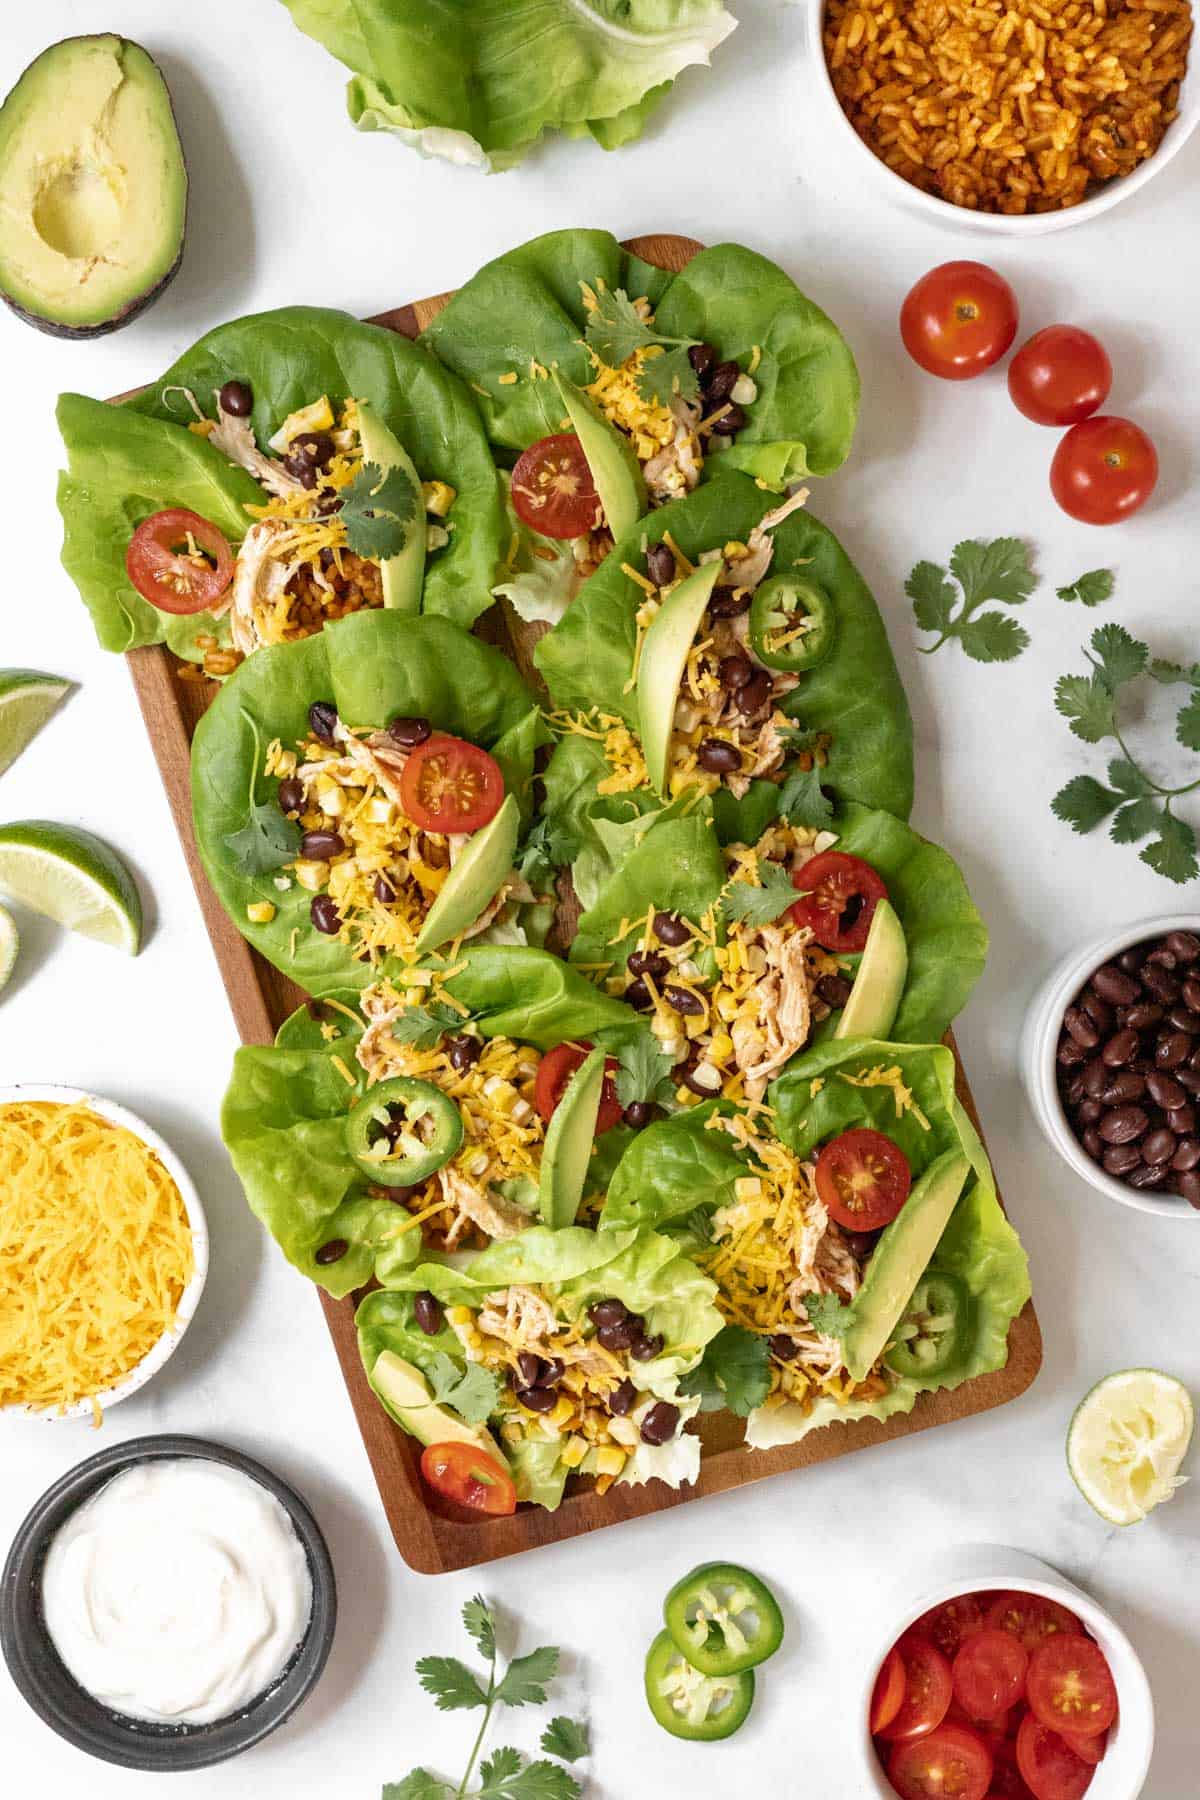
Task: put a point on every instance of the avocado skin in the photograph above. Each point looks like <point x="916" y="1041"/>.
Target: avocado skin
<point x="125" y="315"/>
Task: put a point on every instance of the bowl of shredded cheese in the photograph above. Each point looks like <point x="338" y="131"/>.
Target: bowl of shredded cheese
<point x="103" y="1252"/>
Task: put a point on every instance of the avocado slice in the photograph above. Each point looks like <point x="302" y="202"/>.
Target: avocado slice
<point x="93" y="187"/>
<point x="615" y="469"/>
<point x="474" y="878"/>
<point x="901" y="1258"/>
<point x="403" y="575"/>
<point x="570" y="1137"/>
<point x="665" y="647"/>
<point x="405" y="1394"/>
<point x="875" y="997"/>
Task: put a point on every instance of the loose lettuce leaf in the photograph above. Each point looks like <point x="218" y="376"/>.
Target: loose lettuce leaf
<point x="479" y="81"/>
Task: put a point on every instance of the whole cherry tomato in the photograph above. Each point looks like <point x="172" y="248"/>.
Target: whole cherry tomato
<point x="1062" y="375"/>
<point x="1104" y="470"/>
<point x="958" y="320"/>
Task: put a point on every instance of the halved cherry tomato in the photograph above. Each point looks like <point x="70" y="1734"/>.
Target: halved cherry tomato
<point x="1048" y="1765"/>
<point x="958" y="320"/>
<point x="927" y="1691"/>
<point x="1029" y="1618"/>
<point x="1071" y="1686"/>
<point x="552" y="488"/>
<point x="469" y="1477"/>
<point x="949" y="1625"/>
<point x="840" y="893"/>
<point x="556" y="1069"/>
<point x="178" y="561"/>
<point x="1088" y="1749"/>
<point x="1008" y="1783"/>
<point x="863" y="1179"/>
<point x="451" y="786"/>
<point x="989" y="1674"/>
<point x="1062" y="375"/>
<point x="888" y="1696"/>
<point x="1104" y="470"/>
<point x="952" y="1763"/>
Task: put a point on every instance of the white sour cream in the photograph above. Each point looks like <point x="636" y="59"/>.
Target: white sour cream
<point x="177" y="1593"/>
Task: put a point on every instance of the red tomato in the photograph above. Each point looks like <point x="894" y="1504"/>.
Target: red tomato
<point x="1071" y="1686"/>
<point x="556" y="1069"/>
<point x="1050" y="1768"/>
<point x="863" y="1179"/>
<point x="959" y="320"/>
<point x="950" y="1624"/>
<point x="888" y="1696"/>
<point x="927" y="1691"/>
<point x="1104" y="470"/>
<point x="451" y="786"/>
<point x="952" y="1763"/>
<point x="1088" y="1749"/>
<point x="469" y="1477"/>
<point x="1062" y="375"/>
<point x="178" y="561"/>
<point x="1007" y="1781"/>
<point x="1030" y="1618"/>
<point x="840" y="893"/>
<point x="989" y="1674"/>
<point x="552" y="488"/>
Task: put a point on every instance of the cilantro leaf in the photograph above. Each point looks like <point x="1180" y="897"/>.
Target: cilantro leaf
<point x="828" y="1314"/>
<point x="480" y="1625"/>
<point x="1135" y="821"/>
<point x="759" y="905"/>
<point x="998" y="570"/>
<point x="1168" y="673"/>
<point x="526" y="1677"/>
<point x="547" y="848"/>
<point x="565" y="1737"/>
<point x="265" y="842"/>
<point x="379" y="508"/>
<point x="993" y="637"/>
<point x="1187" y="725"/>
<point x="496" y="1769"/>
<point x="803" y="801"/>
<point x="644" y="1064"/>
<point x="932" y="595"/>
<point x="1173" y="852"/>
<point x="424" y="1026"/>
<point x="420" y="1785"/>
<point x="669" y="376"/>
<point x="1127" y="778"/>
<point x="1087" y="703"/>
<point x="616" y="330"/>
<point x="536" y="1781"/>
<point x="451" y="1683"/>
<point x="1083" y="803"/>
<point x="1092" y="588"/>
<point x="1118" y="656"/>
<point x="735" y="1372"/>
<point x="473" y="1392"/>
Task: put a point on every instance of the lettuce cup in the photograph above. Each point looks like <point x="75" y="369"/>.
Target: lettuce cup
<point x="291" y="468"/>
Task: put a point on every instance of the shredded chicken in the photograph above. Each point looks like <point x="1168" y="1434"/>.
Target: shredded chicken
<point x="493" y="1213"/>
<point x="235" y="439"/>
<point x="259" y="581"/>
<point x="763" y="1044"/>
<point x="675" y="469"/>
<point x="518" y="1316"/>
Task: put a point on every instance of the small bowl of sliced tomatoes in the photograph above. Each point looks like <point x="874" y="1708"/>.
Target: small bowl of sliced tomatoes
<point x="1004" y="1681"/>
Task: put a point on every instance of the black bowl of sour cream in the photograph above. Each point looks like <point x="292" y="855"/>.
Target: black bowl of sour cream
<point x="167" y="1603"/>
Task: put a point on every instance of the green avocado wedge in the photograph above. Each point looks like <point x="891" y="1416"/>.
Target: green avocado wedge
<point x="665" y="649"/>
<point x="474" y="879"/>
<point x="405" y="1394"/>
<point x="614" y="467"/>
<point x="878" y="989"/>
<point x="403" y="576"/>
<point x="570" y="1138"/>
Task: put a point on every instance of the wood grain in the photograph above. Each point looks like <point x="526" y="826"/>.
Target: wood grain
<point x="432" y="1536"/>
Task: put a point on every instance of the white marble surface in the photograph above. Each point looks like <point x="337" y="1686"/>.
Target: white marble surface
<point x="289" y="204"/>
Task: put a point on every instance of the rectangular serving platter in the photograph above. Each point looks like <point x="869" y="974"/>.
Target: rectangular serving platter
<point x="433" y="1541"/>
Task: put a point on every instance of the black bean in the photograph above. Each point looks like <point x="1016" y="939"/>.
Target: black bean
<point x="834" y="990"/>
<point x="1162" y="985"/>
<point x="718" y="757"/>
<point x="538" y="1399"/>
<point x="464" y="1052"/>
<point x="1182" y="1119"/>
<point x="683" y="1000"/>
<point x="237" y="397"/>
<point x="1098" y="1010"/>
<point x="732" y="420"/>
<point x="1132" y="959"/>
<point x="1172" y="1049"/>
<point x="1124" y="1087"/>
<point x="383" y="890"/>
<point x="1118" y="1159"/>
<point x="756" y="693"/>
<point x="1096" y="1078"/>
<point x="728" y="603"/>
<point x="734" y="671"/>
<point x="617" y="1337"/>
<point x="1114" y="985"/>
<point x="1188" y="1185"/>
<point x="660" y="564"/>
<point x="529" y="1368"/>
<point x="662" y="1421"/>
<point x="311" y="451"/>
<point x="1123" y="1124"/>
<point x="1182" y="1018"/>
<point x="638" y="1114"/>
<point x="608" y="1312"/>
<point x="1158" y="1146"/>
<point x="669" y="928"/>
<point x="320" y="846"/>
<point x="331" y="1252"/>
<point x="1184" y="945"/>
<point x="553" y="1370"/>
<point x="860" y="1243"/>
<point x="291" y="795"/>
<point x="685" y="1073"/>
<point x="1119" y="1048"/>
<point x="646" y="1348"/>
<point x="1093" y="1143"/>
<point x="1160" y="957"/>
<point x="1081" y="1027"/>
<point x="1191" y="994"/>
<point x="1187" y="1154"/>
<point x="428" y="1312"/>
<point x="622" y="1399"/>
<point x="1148" y="1176"/>
<point x="1070" y="1054"/>
<point x="721" y="382"/>
<point x="325" y="916"/>
<point x="1190" y="1079"/>
<point x="408" y="730"/>
<point x="638" y="995"/>
<point x="783" y="1347"/>
<point x="648" y="962"/>
<point x="1089" y="1112"/>
<point x="703" y="359"/>
<point x="1165" y="1091"/>
<point x="322" y="720"/>
<point x="1142" y="1014"/>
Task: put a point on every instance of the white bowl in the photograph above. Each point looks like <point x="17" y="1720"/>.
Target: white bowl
<point x="1039" y="1043"/>
<point x="1122" y="1773"/>
<point x="964" y="218"/>
<point x="165" y="1348"/>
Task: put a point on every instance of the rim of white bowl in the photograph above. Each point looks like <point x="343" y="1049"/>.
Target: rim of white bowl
<point x="161" y="1352"/>
<point x="945" y="212"/>
<point x="1038" y="1060"/>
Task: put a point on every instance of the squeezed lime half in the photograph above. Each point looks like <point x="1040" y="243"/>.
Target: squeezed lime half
<point x="9" y="944"/>
<point x="1126" y="1442"/>
<point x="71" y="877"/>
<point x="27" y="698"/>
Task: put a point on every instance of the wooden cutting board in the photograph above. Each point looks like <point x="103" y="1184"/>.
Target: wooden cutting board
<point x="431" y="1536"/>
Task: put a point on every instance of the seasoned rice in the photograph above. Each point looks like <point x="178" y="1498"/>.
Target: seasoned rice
<point x="1009" y="106"/>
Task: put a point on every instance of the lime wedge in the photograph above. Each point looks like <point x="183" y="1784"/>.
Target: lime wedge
<point x="73" y="878"/>
<point x="9" y="944"/>
<point x="1126" y="1442"/>
<point x="27" y="699"/>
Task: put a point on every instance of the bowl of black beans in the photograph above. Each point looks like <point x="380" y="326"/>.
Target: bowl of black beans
<point x="1111" y="1056"/>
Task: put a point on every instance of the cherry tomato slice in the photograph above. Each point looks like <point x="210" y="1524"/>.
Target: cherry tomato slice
<point x="952" y="1763"/>
<point x="451" y="786"/>
<point x="928" y="1688"/>
<point x="556" y="1069"/>
<point x="989" y="1674"/>
<point x="949" y="1625"/>
<point x="863" y="1179"/>
<point x="1030" y="1618"/>
<point x="1048" y="1765"/>
<point x="888" y="1696"/>
<point x="469" y="1477"/>
<point x="1071" y="1686"/>
<point x="1008" y="1783"/>
<point x="178" y="561"/>
<point x="1104" y="470"/>
<point x="958" y="320"/>
<point x="1088" y="1749"/>
<point x="552" y="488"/>
<point x="1062" y="375"/>
<point x="840" y="894"/>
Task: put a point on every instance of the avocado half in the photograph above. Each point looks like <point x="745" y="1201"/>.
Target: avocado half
<point x="93" y="188"/>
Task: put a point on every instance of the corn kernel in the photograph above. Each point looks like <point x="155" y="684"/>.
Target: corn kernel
<point x="574" y="1451"/>
<point x="438" y="497"/>
<point x="311" y="875"/>
<point x="260" y="912"/>
<point x="610" y="1460"/>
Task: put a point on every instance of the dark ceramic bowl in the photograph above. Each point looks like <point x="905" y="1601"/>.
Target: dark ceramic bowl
<point x="56" y="1697"/>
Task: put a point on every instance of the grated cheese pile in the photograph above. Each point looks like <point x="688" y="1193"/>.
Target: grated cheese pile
<point x="95" y="1254"/>
<point x="648" y="423"/>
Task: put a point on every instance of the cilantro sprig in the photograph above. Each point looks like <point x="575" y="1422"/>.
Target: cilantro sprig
<point x="1091" y="589"/>
<point x="735" y="1373"/>
<point x="644" y="1069"/>
<point x="616" y="330"/>
<point x="1138" y="806"/>
<point x="378" y="509"/>
<point x="759" y="905"/>
<point x="1000" y="571"/>
<point x="506" y="1774"/>
<point x="425" y="1026"/>
<point x="269" y="839"/>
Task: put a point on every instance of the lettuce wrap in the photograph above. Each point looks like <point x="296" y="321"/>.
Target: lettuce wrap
<point x="128" y="461"/>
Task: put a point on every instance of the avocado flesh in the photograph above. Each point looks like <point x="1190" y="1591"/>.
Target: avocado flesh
<point x="665" y="648"/>
<point x="93" y="187"/>
<point x="569" y="1140"/>
<point x="403" y="575"/>
<point x="879" y="984"/>
<point x="474" y="878"/>
<point x="615" y="470"/>
<point x="406" y="1396"/>
<point x="901" y="1258"/>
